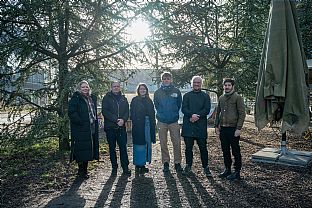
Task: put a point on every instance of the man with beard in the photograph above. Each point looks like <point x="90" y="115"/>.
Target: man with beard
<point x="228" y="124"/>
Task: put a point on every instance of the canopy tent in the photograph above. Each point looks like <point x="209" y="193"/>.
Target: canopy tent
<point x="282" y="90"/>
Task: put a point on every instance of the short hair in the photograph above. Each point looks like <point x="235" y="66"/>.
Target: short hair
<point x="165" y="74"/>
<point x="230" y="80"/>
<point x="196" y="77"/>
<point x="114" y="81"/>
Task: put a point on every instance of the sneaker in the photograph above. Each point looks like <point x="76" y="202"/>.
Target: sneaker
<point x="126" y="171"/>
<point x="178" y="167"/>
<point x="166" y="167"/>
<point x="234" y="176"/>
<point x="225" y="173"/>
<point x="207" y="172"/>
<point x="187" y="170"/>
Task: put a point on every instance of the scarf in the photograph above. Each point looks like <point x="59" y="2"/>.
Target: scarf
<point x="91" y="107"/>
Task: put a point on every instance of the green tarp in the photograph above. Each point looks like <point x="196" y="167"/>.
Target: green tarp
<point x="282" y="91"/>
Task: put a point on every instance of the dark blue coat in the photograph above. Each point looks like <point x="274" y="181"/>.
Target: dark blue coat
<point x="167" y="100"/>
<point x="139" y="108"/>
<point x="195" y="103"/>
<point x="84" y="146"/>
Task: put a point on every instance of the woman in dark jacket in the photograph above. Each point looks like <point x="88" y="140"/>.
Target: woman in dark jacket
<point x="142" y="114"/>
<point x="82" y="113"/>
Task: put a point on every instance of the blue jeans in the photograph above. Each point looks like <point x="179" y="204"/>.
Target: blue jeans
<point x="119" y="136"/>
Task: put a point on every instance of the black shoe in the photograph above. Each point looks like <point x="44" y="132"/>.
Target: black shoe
<point x="178" y="167"/>
<point x="207" y="172"/>
<point x="144" y="170"/>
<point x="83" y="175"/>
<point x="225" y="173"/>
<point x="234" y="176"/>
<point x="187" y="170"/>
<point x="126" y="171"/>
<point x="166" y="167"/>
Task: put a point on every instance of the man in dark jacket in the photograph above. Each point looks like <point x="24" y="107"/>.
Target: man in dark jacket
<point x="228" y="124"/>
<point x="195" y="107"/>
<point x="167" y="101"/>
<point x="115" y="109"/>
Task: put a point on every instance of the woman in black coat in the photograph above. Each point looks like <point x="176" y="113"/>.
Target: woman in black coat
<point x="142" y="114"/>
<point x="82" y="113"/>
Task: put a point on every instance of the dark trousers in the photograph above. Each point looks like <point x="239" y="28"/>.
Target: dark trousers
<point x="119" y="136"/>
<point x="228" y="142"/>
<point x="83" y="168"/>
<point x="202" y="144"/>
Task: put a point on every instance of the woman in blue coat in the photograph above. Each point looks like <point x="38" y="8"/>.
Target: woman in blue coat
<point x="142" y="114"/>
<point x="82" y="113"/>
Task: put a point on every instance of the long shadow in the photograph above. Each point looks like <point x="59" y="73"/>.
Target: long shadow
<point x="242" y="194"/>
<point x="70" y="198"/>
<point x="143" y="193"/>
<point x="248" y="141"/>
<point x="201" y="190"/>
<point x="105" y="191"/>
<point x="189" y="191"/>
<point x="173" y="190"/>
<point x="119" y="191"/>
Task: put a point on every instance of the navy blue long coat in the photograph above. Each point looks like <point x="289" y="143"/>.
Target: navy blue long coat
<point x="84" y="146"/>
<point x="195" y="103"/>
<point x="139" y="108"/>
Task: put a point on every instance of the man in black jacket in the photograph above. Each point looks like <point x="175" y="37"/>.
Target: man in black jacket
<point x="195" y="107"/>
<point x="115" y="109"/>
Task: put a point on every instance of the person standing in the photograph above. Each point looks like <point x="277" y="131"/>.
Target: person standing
<point x="228" y="124"/>
<point x="115" y="109"/>
<point x="195" y="107"/>
<point x="82" y="113"/>
<point x="142" y="115"/>
<point x="167" y="100"/>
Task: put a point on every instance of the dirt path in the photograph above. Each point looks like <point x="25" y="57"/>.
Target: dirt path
<point x="262" y="185"/>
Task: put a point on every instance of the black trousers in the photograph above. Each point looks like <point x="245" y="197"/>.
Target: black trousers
<point x="83" y="168"/>
<point x="228" y="142"/>
<point x="202" y="144"/>
<point x="118" y="136"/>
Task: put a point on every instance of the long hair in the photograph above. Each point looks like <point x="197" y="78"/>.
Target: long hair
<point x="145" y="86"/>
<point x="79" y="86"/>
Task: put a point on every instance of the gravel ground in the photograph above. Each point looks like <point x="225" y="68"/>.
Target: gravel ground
<point x="262" y="185"/>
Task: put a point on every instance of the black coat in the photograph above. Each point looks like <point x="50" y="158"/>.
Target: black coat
<point x="139" y="108"/>
<point x="114" y="107"/>
<point x="195" y="103"/>
<point x="84" y="146"/>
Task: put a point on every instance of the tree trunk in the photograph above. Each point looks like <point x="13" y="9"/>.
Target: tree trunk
<point x="63" y="125"/>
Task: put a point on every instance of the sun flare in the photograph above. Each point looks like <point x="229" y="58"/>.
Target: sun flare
<point x="139" y="30"/>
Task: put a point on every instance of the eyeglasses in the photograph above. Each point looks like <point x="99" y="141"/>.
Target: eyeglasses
<point x="196" y="82"/>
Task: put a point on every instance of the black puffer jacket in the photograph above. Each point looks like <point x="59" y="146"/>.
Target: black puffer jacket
<point x="84" y="147"/>
<point x="195" y="103"/>
<point x="114" y="107"/>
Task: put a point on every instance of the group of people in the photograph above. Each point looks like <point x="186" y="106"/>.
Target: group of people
<point x="167" y="102"/>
